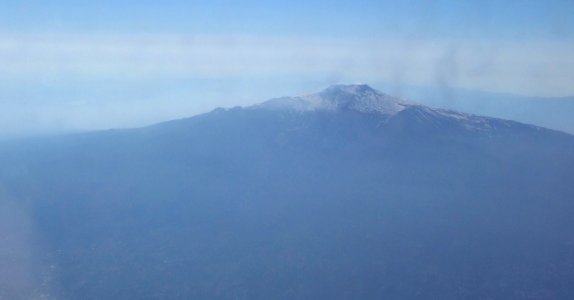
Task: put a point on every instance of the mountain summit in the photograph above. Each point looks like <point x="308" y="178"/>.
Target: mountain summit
<point x="360" y="98"/>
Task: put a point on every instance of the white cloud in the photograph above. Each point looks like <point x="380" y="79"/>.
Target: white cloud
<point x="532" y="67"/>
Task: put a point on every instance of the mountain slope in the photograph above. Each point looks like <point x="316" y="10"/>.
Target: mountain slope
<point x="345" y="194"/>
<point x="551" y="112"/>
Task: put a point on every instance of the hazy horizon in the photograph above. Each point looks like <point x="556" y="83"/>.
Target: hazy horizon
<point x="68" y="66"/>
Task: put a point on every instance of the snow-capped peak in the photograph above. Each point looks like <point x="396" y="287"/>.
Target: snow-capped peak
<point x="359" y="98"/>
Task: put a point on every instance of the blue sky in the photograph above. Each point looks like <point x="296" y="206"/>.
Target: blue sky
<point x="434" y="19"/>
<point x="74" y="65"/>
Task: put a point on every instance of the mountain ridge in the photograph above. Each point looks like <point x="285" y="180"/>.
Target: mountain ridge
<point x="363" y="99"/>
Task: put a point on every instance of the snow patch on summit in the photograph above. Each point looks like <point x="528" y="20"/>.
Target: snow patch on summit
<point x="364" y="99"/>
<point x="359" y="98"/>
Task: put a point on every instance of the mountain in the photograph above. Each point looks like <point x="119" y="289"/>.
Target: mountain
<point x="345" y="194"/>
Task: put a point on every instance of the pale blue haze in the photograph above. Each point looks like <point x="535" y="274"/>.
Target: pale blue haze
<point x="82" y="65"/>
